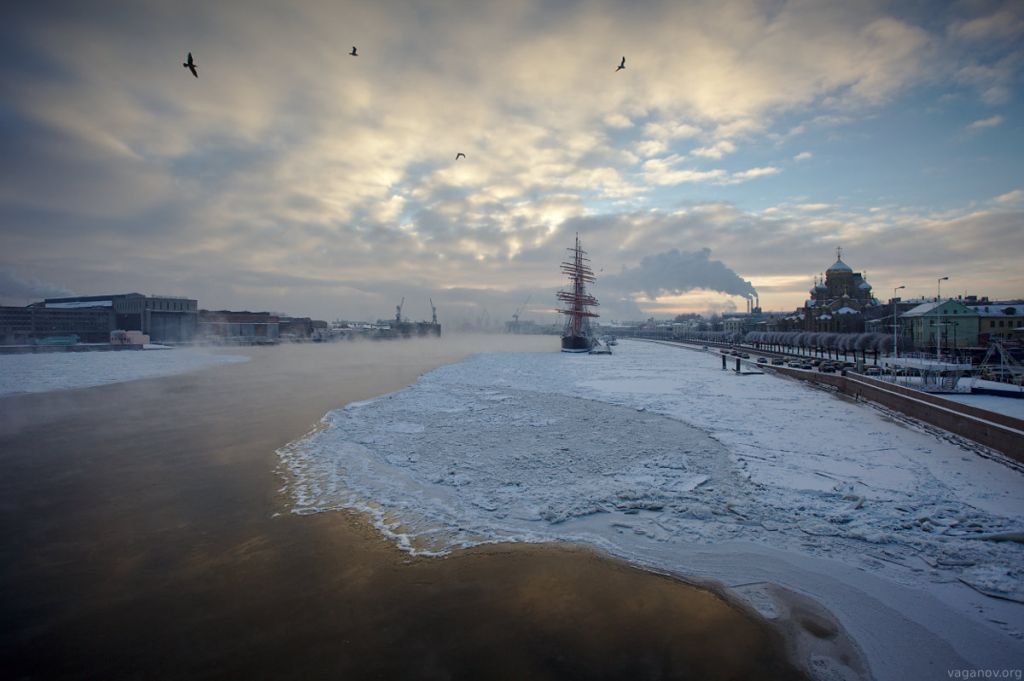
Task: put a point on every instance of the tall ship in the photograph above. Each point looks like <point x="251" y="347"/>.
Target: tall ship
<point x="577" y="336"/>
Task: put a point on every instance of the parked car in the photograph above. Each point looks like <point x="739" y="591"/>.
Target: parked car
<point x="826" y="368"/>
<point x="744" y="355"/>
<point x="778" y="361"/>
<point x="873" y="371"/>
<point x="762" y="360"/>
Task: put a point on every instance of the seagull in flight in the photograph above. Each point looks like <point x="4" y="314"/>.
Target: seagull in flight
<point x="191" y="65"/>
<point x="353" y="52"/>
<point x="622" y="65"/>
<point x="459" y="155"/>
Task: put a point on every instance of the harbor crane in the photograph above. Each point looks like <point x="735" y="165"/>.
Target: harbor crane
<point x="398" y="311"/>
<point x="515" y="315"/>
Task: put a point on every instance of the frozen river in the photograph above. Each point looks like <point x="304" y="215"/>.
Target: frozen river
<point x="656" y="455"/>
<point x="45" y="372"/>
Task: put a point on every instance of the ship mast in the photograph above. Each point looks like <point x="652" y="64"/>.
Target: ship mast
<point x="577" y="299"/>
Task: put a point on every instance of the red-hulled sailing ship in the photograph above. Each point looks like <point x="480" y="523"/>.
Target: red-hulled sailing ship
<point x="577" y="337"/>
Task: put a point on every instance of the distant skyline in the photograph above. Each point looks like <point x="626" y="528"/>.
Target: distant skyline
<point x="740" y="145"/>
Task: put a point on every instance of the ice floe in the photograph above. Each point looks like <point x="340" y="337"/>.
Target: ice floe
<point x="659" y="456"/>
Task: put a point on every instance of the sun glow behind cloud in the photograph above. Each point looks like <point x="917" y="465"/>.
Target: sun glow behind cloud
<point x="293" y="176"/>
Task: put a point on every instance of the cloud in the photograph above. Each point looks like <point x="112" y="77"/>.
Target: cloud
<point x="803" y="156"/>
<point x="664" y="172"/>
<point x="648" y="148"/>
<point x="752" y="173"/>
<point x="290" y="163"/>
<point x="1005" y="23"/>
<point x="716" y="150"/>
<point x="1015" y="196"/>
<point x="670" y="130"/>
<point x="617" y="120"/>
<point x="990" y="122"/>
<point x="661" y="171"/>
<point x="675" y="272"/>
<point x="27" y="289"/>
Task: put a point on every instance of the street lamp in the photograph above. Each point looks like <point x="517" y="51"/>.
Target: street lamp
<point x="895" y="353"/>
<point x="938" y="293"/>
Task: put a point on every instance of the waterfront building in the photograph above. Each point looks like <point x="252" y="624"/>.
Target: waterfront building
<point x="165" y="319"/>
<point x="26" y="325"/>
<point x="297" y="328"/>
<point x="744" y="322"/>
<point x="998" y="321"/>
<point x="244" y="327"/>
<point x="941" y="324"/>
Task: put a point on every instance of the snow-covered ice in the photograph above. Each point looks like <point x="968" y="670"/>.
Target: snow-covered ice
<point x="1010" y="406"/>
<point x="656" y="455"/>
<point x="36" y="373"/>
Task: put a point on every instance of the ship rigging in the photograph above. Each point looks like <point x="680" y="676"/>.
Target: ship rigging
<point x="577" y="335"/>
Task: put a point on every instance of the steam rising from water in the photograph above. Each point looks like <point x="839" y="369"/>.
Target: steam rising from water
<point x="14" y="287"/>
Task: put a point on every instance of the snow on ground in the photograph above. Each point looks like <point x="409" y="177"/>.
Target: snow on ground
<point x="1010" y="406"/>
<point x="43" y="372"/>
<point x="657" y="455"/>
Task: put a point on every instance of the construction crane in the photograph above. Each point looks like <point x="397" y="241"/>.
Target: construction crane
<point x="433" y="311"/>
<point x="398" y="311"/>
<point x="515" y="315"/>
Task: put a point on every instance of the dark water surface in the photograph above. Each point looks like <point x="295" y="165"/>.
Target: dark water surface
<point x="140" y="538"/>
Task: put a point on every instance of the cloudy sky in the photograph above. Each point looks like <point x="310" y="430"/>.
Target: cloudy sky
<point x="743" y="142"/>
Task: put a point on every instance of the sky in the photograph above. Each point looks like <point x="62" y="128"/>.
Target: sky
<point x="741" y="145"/>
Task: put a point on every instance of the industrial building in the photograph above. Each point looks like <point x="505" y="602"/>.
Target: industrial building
<point x="164" y="319"/>
<point x="248" y="328"/>
<point x="28" y="325"/>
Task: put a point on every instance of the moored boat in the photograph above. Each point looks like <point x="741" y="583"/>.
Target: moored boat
<point x="577" y="335"/>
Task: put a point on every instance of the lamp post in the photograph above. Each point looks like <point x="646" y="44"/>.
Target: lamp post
<point x="938" y="284"/>
<point x="895" y="353"/>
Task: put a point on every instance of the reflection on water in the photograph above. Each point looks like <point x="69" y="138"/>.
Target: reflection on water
<point x="144" y="535"/>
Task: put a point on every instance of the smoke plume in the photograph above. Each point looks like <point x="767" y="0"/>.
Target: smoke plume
<point x="675" y="272"/>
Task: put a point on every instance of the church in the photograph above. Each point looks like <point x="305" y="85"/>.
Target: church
<point x="839" y="302"/>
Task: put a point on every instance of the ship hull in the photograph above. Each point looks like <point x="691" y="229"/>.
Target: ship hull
<point x="576" y="344"/>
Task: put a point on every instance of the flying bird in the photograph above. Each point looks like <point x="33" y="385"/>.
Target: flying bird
<point x="191" y="65"/>
<point x="353" y="52"/>
<point x="459" y="155"/>
<point x="622" y="65"/>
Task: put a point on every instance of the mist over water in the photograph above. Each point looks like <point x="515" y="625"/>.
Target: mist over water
<point x="146" y="533"/>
